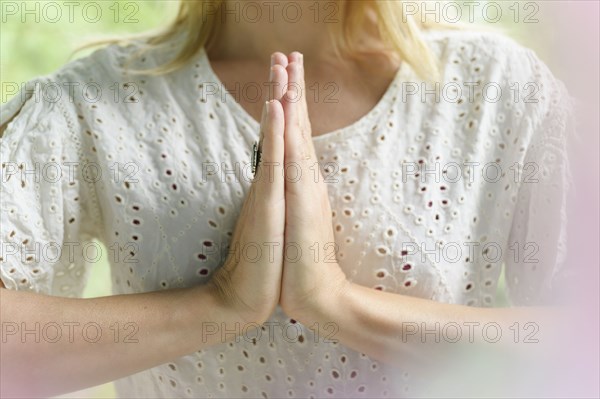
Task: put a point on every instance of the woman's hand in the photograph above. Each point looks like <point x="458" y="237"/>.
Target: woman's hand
<point x="312" y="278"/>
<point x="250" y="287"/>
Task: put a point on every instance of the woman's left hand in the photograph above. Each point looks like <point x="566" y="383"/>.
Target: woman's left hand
<point x="312" y="279"/>
<point x="314" y="289"/>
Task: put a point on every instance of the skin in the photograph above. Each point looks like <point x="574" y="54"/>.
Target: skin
<point x="169" y="323"/>
<point x="314" y="292"/>
<point x="276" y="210"/>
<point x="373" y="322"/>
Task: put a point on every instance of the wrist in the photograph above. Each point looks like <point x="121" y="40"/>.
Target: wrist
<point x="228" y="308"/>
<point x="212" y="320"/>
<point x="328" y="305"/>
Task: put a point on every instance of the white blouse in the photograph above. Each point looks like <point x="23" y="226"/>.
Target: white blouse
<point x="430" y="198"/>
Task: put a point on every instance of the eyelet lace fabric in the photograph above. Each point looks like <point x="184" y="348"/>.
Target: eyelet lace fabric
<point x="430" y="198"/>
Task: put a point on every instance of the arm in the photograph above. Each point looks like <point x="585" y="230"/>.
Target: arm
<point x="125" y="334"/>
<point x="103" y="339"/>
<point x="383" y="325"/>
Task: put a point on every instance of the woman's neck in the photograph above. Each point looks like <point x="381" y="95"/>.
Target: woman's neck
<point x="286" y="26"/>
<point x="256" y="31"/>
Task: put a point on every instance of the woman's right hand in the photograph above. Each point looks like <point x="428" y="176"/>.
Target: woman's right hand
<point x="168" y="323"/>
<point x="249" y="285"/>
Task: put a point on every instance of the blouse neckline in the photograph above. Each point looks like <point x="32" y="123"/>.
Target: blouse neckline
<point x="355" y="127"/>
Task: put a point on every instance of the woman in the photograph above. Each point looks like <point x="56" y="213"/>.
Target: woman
<point x="386" y="230"/>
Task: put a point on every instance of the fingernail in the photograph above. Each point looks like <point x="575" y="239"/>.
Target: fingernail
<point x="272" y="59"/>
<point x="271" y="73"/>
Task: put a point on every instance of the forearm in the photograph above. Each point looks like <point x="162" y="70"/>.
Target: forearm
<point x="388" y="326"/>
<point x="52" y="345"/>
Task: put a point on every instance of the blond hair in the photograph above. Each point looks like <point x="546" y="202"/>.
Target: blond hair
<point x="198" y="22"/>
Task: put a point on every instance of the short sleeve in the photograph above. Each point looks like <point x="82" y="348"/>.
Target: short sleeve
<point x="48" y="213"/>
<point x="536" y="268"/>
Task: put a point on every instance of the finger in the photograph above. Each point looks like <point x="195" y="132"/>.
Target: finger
<point x="295" y="104"/>
<point x="295" y="136"/>
<point x="299" y="186"/>
<point x="278" y="58"/>
<point x="296" y="79"/>
<point x="294" y="56"/>
<point x="269" y="180"/>
<point x="299" y="81"/>
<point x="298" y="58"/>
<point x="278" y="81"/>
<point x="278" y="75"/>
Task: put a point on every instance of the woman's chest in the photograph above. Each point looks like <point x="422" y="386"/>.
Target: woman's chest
<point x="413" y="209"/>
<point x="336" y="95"/>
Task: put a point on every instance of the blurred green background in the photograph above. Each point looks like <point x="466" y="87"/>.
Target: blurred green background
<point x="31" y="47"/>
